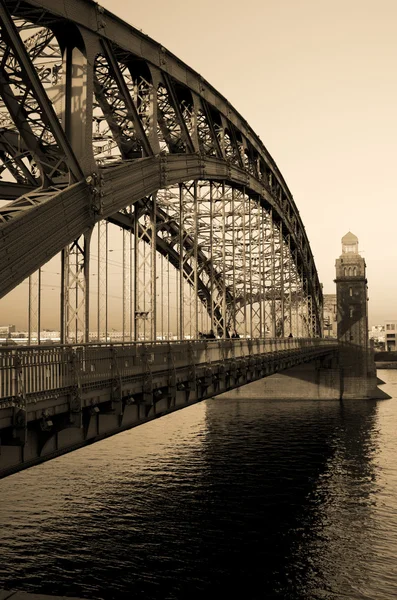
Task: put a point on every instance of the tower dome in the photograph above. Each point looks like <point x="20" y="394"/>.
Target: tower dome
<point x="350" y="243"/>
<point x="350" y="238"/>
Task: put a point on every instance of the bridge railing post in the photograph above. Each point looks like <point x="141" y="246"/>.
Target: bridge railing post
<point x="7" y="374"/>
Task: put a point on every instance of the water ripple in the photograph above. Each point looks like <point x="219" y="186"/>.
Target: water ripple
<point x="239" y="497"/>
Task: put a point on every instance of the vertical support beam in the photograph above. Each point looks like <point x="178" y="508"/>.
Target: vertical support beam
<point x="63" y="297"/>
<point x="300" y="302"/>
<point x="217" y="252"/>
<point x="223" y="299"/>
<point x="195" y="261"/>
<point x="260" y="275"/>
<point x="126" y="284"/>
<point x="86" y="267"/>
<point x="153" y="270"/>
<point x="102" y="281"/>
<point x="76" y="287"/>
<point x="145" y="271"/>
<point x="306" y="307"/>
<point x="211" y="248"/>
<point x="161" y="327"/>
<point x="75" y="117"/>
<point x="234" y="244"/>
<point x="244" y="252"/>
<point x="249" y="244"/>
<point x="289" y="283"/>
<point x="168" y="300"/>
<point x="264" y="273"/>
<point x="297" y="297"/>
<point x="273" y="275"/>
<point x="34" y="314"/>
<point x="282" y="316"/>
<point x="181" y="263"/>
<point x="137" y="316"/>
<point x="188" y="277"/>
<point x="310" y="315"/>
<point x="132" y="283"/>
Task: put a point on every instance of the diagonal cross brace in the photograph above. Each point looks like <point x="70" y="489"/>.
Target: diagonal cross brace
<point x="123" y="89"/>
<point x="11" y="35"/>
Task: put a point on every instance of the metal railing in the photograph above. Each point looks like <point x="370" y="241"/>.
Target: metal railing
<point x="36" y="369"/>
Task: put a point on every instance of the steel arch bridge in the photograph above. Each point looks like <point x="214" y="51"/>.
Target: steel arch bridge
<point x="100" y="125"/>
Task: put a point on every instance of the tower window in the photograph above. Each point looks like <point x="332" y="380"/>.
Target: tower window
<point x="351" y="310"/>
<point x="355" y="271"/>
<point x="350" y="291"/>
<point x="345" y="271"/>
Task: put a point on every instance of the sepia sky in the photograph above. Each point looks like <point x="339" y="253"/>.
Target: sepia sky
<point x="317" y="82"/>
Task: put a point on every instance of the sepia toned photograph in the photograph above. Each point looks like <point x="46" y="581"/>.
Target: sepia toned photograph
<point x="198" y="309"/>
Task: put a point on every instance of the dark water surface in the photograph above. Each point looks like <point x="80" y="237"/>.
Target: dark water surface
<point x="230" y="498"/>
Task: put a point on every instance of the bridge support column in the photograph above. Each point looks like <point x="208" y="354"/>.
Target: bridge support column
<point x="145" y="272"/>
<point x="318" y="380"/>
<point x="75" y="290"/>
<point x="34" y="316"/>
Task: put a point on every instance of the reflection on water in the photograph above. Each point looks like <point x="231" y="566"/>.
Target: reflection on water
<point x="238" y="496"/>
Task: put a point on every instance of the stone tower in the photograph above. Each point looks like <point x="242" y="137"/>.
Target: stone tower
<point x="351" y="295"/>
<point x="356" y="358"/>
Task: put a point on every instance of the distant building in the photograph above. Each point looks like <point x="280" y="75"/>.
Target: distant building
<point x="330" y="315"/>
<point x="391" y="335"/>
<point x="377" y="335"/>
<point x="6" y="330"/>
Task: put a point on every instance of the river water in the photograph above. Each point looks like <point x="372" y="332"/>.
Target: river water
<point x="237" y="497"/>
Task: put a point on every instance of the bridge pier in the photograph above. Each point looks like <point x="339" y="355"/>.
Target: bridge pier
<point x="308" y="381"/>
<point x="321" y="380"/>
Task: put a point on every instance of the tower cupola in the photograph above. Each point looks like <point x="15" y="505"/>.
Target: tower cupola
<point x="350" y="243"/>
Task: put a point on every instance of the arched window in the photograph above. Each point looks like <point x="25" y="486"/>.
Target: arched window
<point x="350" y="271"/>
<point x="350" y="291"/>
<point x="345" y="271"/>
<point x="355" y="271"/>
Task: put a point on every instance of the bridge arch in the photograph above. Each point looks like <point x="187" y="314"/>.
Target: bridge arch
<point x="169" y="128"/>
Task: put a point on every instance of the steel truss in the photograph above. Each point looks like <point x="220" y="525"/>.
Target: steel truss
<point x="77" y="105"/>
<point x="75" y="291"/>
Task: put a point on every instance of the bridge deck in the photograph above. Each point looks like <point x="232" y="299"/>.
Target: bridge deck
<point x="55" y="399"/>
<point x="32" y="371"/>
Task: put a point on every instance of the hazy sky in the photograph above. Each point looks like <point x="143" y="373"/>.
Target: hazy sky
<point x="317" y="82"/>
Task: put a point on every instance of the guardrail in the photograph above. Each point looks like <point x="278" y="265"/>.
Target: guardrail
<point x="35" y="369"/>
